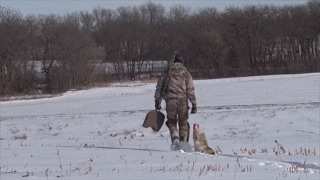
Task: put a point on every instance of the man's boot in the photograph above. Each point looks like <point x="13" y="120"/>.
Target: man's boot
<point x="174" y="133"/>
<point x="184" y="132"/>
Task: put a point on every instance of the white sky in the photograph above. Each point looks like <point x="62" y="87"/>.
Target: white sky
<point x="67" y="6"/>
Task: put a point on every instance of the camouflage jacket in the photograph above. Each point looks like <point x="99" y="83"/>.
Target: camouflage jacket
<point x="180" y="84"/>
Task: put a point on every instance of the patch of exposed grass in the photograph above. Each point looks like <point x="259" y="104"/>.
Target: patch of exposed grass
<point x="21" y="137"/>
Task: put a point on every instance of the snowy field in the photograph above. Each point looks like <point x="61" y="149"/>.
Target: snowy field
<point x="98" y="133"/>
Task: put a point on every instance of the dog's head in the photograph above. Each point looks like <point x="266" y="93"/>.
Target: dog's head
<point x="196" y="126"/>
<point x="196" y="131"/>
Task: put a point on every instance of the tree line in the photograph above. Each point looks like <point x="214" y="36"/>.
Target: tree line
<point x="55" y="53"/>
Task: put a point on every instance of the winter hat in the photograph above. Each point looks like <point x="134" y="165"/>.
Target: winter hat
<point x="178" y="58"/>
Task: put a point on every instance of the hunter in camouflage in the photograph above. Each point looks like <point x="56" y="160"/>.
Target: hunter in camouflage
<point x="180" y="89"/>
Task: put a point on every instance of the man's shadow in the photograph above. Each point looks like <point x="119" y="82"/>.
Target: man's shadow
<point x="118" y="148"/>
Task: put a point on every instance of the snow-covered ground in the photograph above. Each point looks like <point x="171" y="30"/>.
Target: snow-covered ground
<point x="97" y="133"/>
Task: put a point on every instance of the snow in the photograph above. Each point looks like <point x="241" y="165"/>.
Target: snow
<point x="98" y="133"/>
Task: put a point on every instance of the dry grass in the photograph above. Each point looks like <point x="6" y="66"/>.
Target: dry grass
<point x="151" y="80"/>
<point x="26" y="97"/>
<point x="92" y="85"/>
<point x="99" y="84"/>
<point x="108" y="84"/>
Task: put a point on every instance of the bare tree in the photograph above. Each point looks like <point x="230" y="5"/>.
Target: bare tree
<point x="12" y="47"/>
<point x="207" y="44"/>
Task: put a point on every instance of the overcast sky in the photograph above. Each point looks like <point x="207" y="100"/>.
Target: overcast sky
<point x="67" y="6"/>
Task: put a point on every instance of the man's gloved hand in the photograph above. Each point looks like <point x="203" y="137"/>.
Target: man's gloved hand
<point x="157" y="104"/>
<point x="194" y="108"/>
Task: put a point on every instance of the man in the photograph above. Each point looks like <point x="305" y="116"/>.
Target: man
<point x="180" y="89"/>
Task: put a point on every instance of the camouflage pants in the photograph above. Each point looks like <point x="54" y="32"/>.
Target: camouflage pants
<point x="177" y="113"/>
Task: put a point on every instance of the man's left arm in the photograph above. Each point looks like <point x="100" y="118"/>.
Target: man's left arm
<point x="159" y="86"/>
